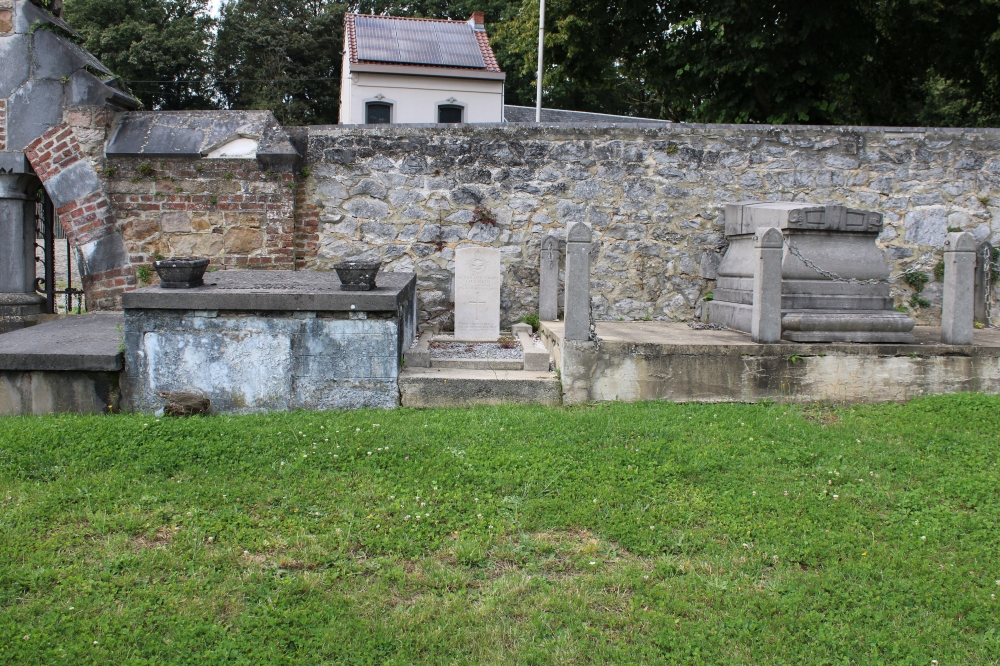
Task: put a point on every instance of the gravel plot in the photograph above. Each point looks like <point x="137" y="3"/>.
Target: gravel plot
<point x="445" y="349"/>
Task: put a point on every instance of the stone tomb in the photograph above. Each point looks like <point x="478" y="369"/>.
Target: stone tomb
<point x="269" y="340"/>
<point x="477" y="294"/>
<point x="815" y="307"/>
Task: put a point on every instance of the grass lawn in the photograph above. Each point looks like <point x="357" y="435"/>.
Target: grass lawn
<point x="631" y="534"/>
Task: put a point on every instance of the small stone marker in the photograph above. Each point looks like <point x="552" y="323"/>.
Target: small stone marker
<point x="477" y="294"/>
<point x="957" y="308"/>
<point x="548" y="282"/>
<point x="765" y="324"/>
<point x="577" y="312"/>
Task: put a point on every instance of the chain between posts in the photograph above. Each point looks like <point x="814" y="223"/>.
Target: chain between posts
<point x="836" y="278"/>
<point x="988" y="266"/>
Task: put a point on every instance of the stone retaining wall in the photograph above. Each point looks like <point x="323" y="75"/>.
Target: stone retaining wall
<point x="654" y="196"/>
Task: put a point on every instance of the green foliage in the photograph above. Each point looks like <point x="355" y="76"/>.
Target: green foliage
<point x="533" y="320"/>
<point x="917" y="280"/>
<point x="110" y="172"/>
<point x="282" y="55"/>
<point x="144" y="274"/>
<point x="161" y="49"/>
<point x="214" y="199"/>
<point x="146" y="169"/>
<point x="708" y="297"/>
<point x="917" y="301"/>
<point x="939" y="271"/>
<point x="612" y="534"/>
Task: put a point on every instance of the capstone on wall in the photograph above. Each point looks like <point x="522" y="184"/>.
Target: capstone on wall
<point x="654" y="196"/>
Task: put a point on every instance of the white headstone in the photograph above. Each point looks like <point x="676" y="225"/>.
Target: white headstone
<point x="477" y="293"/>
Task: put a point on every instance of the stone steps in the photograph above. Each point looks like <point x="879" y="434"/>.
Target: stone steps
<point x="460" y="387"/>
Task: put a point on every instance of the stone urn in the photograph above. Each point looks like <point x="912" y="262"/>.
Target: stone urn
<point x="181" y="272"/>
<point x="357" y="275"/>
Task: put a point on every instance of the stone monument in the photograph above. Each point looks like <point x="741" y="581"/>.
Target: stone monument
<point x="834" y="279"/>
<point x="19" y="304"/>
<point x="548" y="280"/>
<point x="477" y="294"/>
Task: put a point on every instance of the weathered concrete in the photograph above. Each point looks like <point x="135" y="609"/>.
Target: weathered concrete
<point x="36" y="393"/>
<point x="667" y="361"/>
<point x="81" y="343"/>
<point x="431" y="387"/>
<point x="71" y="364"/>
<point x="765" y="320"/>
<point x="277" y="290"/>
<point x="958" y="309"/>
<point x="535" y="360"/>
<point x="261" y="349"/>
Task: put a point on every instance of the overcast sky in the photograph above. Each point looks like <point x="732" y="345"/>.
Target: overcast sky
<point x="214" y="6"/>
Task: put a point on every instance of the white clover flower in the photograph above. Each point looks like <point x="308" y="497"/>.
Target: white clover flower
<point x="923" y="538"/>
<point x="593" y="563"/>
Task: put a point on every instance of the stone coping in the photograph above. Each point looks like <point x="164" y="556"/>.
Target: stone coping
<point x="300" y="291"/>
<point x="679" y="338"/>
<point x="79" y="343"/>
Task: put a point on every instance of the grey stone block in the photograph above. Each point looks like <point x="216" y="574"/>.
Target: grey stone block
<point x="37" y="393"/>
<point x="85" y="343"/>
<point x="85" y="89"/>
<point x="419" y="356"/>
<point x="76" y="182"/>
<point x="548" y="280"/>
<point x="434" y="387"/>
<point x="957" y="308"/>
<point x="33" y="109"/>
<point x="278" y="291"/>
<point x="54" y="57"/>
<point x="14" y="64"/>
<point x="765" y="324"/>
<point x="102" y="254"/>
<point x="577" y="310"/>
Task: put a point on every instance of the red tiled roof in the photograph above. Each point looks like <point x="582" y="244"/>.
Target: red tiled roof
<point x="481" y="38"/>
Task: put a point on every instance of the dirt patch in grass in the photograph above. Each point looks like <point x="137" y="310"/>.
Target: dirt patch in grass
<point x="159" y="539"/>
<point x="824" y="414"/>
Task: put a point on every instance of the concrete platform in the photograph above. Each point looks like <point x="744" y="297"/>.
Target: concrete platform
<point x="671" y="361"/>
<point x="71" y="364"/>
<point x="449" y="387"/>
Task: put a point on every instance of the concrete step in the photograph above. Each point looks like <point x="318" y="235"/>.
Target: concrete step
<point x="478" y="363"/>
<point x="455" y="387"/>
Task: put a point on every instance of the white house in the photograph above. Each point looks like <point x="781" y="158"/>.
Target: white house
<point x="407" y="70"/>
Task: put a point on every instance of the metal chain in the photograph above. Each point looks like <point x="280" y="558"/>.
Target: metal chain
<point x="988" y="265"/>
<point x="836" y="278"/>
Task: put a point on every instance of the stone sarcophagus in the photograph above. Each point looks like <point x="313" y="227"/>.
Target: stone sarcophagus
<point x="834" y="279"/>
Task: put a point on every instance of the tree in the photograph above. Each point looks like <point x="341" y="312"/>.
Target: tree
<point x="159" y="48"/>
<point x="282" y="55"/>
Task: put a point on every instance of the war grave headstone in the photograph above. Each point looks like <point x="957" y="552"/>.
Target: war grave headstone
<point x="477" y="294"/>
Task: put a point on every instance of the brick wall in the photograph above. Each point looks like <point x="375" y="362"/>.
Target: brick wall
<point x="231" y="211"/>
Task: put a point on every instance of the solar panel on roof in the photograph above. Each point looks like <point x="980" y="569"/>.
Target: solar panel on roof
<point x="451" y="44"/>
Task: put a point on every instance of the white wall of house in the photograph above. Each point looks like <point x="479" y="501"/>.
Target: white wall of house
<point x="415" y="97"/>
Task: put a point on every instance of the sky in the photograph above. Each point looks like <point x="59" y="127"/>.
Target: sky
<point x="214" y="6"/>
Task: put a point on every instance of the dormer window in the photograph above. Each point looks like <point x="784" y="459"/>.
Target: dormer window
<point x="449" y="113"/>
<point x="378" y="113"/>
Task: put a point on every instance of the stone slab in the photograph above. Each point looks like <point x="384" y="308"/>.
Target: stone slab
<point x="87" y="342"/>
<point x="478" y="363"/>
<point x="477" y="293"/>
<point x="420" y="356"/>
<point x="667" y="361"/>
<point x="432" y="387"/>
<point x="37" y="393"/>
<point x="278" y="291"/>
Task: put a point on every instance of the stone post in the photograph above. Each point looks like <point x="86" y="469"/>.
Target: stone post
<point x="984" y="259"/>
<point x="957" y="309"/>
<point x="577" y="306"/>
<point x="548" y="280"/>
<point x="765" y="325"/>
<point x="19" y="304"/>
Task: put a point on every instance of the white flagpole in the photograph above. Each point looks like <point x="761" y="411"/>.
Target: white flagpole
<point x="541" y="48"/>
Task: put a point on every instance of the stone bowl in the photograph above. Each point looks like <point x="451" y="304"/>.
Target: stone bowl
<point x="357" y="275"/>
<point x="181" y="272"/>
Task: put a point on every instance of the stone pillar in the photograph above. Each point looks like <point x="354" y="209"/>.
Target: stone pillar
<point x="577" y="305"/>
<point x="765" y="326"/>
<point x="957" y="309"/>
<point x="19" y="303"/>
<point x="984" y="277"/>
<point x="548" y="280"/>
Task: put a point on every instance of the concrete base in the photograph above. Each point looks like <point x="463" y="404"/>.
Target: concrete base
<point x="70" y="364"/>
<point x="435" y="387"/>
<point x="19" y="311"/>
<point x="876" y="326"/>
<point x="660" y="360"/>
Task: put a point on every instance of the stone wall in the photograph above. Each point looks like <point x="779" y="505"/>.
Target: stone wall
<point x="654" y="196"/>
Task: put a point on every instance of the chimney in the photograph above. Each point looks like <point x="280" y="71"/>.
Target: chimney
<point x="478" y="21"/>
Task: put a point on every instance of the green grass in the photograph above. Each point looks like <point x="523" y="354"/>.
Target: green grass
<point x="647" y="533"/>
